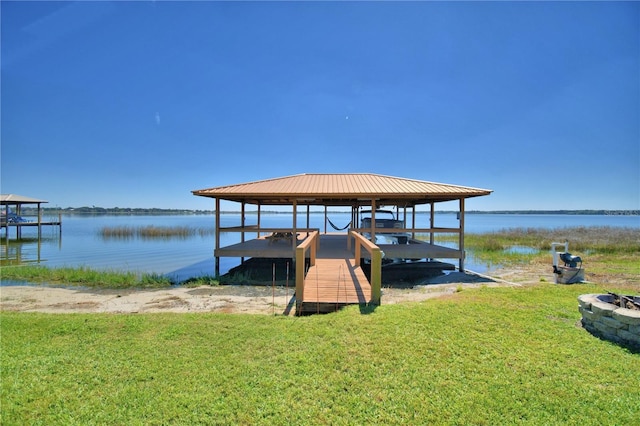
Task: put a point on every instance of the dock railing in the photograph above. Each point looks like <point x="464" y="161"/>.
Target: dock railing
<point x="309" y="244"/>
<point x="376" y="263"/>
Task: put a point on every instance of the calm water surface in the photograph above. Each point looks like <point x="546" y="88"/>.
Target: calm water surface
<point x="81" y="243"/>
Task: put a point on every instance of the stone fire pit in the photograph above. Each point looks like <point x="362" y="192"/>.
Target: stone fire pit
<point x="612" y="317"/>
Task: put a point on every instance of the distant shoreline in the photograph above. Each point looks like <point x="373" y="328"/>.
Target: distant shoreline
<point x="157" y="211"/>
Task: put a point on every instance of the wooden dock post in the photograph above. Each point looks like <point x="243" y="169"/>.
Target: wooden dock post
<point x="311" y="243"/>
<point x="376" y="263"/>
<point x="300" y="266"/>
<point x="376" y="276"/>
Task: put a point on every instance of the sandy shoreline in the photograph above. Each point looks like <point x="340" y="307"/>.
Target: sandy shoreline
<point x="228" y="299"/>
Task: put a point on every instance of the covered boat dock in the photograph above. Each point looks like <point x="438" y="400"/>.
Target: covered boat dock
<point x="11" y="215"/>
<point x="328" y="268"/>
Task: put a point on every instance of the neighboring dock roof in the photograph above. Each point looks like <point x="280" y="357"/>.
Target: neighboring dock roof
<point x="341" y="189"/>
<point x="13" y="199"/>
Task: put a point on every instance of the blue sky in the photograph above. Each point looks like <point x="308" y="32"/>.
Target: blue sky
<point x="135" y="104"/>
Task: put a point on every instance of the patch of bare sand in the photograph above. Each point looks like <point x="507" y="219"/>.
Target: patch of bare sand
<point x="178" y="299"/>
<point x="230" y="298"/>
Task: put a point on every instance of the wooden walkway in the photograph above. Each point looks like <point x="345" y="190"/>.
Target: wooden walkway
<point x="334" y="281"/>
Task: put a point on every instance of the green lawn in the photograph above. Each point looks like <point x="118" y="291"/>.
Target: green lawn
<point x="486" y="356"/>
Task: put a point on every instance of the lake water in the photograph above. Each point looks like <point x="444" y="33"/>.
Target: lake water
<point x="81" y="243"/>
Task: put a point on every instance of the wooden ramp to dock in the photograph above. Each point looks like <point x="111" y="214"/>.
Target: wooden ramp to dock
<point x="335" y="280"/>
<point x="334" y="283"/>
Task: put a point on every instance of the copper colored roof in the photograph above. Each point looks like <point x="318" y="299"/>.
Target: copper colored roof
<point x="341" y="189"/>
<point x="13" y="199"/>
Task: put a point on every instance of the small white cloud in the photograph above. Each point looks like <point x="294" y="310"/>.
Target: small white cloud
<point x="158" y="118"/>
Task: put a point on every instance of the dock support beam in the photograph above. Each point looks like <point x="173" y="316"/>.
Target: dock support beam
<point x="376" y="276"/>
<point x="217" y="262"/>
<point x="461" y="243"/>
<point x="299" y="278"/>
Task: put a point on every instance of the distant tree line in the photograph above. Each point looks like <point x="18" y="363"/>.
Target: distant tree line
<point x="572" y="212"/>
<point x="112" y="210"/>
<point x="27" y="210"/>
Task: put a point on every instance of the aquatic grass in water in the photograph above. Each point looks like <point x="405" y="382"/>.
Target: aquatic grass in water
<point x="600" y="239"/>
<point x="85" y="277"/>
<point x="609" y="250"/>
<point x="496" y="247"/>
<point x="200" y="281"/>
<point x="153" y="232"/>
<point x="593" y="239"/>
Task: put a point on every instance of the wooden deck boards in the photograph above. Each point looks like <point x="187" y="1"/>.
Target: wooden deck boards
<point x="336" y="281"/>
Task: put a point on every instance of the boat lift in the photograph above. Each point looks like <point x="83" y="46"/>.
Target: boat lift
<point x="569" y="273"/>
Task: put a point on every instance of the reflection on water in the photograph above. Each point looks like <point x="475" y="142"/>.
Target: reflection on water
<point x="23" y="250"/>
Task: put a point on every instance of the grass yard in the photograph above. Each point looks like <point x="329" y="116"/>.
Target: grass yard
<point x="485" y="356"/>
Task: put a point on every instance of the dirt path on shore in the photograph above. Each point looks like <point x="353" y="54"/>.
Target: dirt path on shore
<point x="224" y="298"/>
